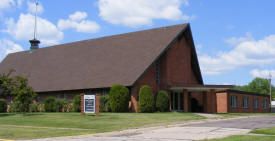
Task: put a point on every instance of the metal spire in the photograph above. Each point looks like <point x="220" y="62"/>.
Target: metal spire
<point x="34" y="42"/>
<point x="35" y="20"/>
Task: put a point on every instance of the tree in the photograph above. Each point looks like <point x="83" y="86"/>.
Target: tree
<point x="119" y="98"/>
<point x="17" y="87"/>
<point x="257" y="85"/>
<point x="5" y="83"/>
<point x="146" y="103"/>
<point x="21" y="92"/>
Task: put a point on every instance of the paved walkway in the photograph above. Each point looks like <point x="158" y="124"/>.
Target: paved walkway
<point x="199" y="130"/>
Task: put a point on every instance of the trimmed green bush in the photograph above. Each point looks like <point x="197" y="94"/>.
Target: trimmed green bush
<point x="146" y="103"/>
<point x="34" y="107"/>
<point x="77" y="103"/>
<point x="50" y="104"/>
<point x="14" y="107"/>
<point x="162" y="102"/>
<point x="3" y="106"/>
<point x="119" y="98"/>
<point x="104" y="104"/>
<point x="61" y="104"/>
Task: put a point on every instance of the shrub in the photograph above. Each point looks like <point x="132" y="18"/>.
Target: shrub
<point x="14" y="107"/>
<point x="119" y="98"/>
<point x="70" y="107"/>
<point x="162" y="102"/>
<point x="77" y="103"/>
<point x="50" y="104"/>
<point x="146" y="102"/>
<point x="105" y="104"/>
<point x="3" y="106"/>
<point x="61" y="105"/>
<point x="34" y="107"/>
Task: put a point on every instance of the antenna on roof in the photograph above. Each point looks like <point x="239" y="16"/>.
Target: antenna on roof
<point x="34" y="42"/>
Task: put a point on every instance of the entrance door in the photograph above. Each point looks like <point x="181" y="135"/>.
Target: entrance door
<point x="177" y="101"/>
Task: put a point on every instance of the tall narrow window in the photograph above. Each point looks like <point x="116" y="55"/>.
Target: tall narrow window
<point x="264" y="104"/>
<point x="158" y="71"/>
<point x="245" y="102"/>
<point x="256" y="103"/>
<point x="234" y="101"/>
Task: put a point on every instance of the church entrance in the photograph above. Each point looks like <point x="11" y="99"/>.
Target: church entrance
<point x="177" y="101"/>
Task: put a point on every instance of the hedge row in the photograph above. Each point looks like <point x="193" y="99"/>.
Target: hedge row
<point x="50" y="104"/>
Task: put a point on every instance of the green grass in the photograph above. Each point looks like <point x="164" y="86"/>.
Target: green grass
<point x="266" y="131"/>
<point x="230" y="115"/>
<point x="246" y="138"/>
<point x="12" y="126"/>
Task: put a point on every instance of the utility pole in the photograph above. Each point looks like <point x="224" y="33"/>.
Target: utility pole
<point x="270" y="93"/>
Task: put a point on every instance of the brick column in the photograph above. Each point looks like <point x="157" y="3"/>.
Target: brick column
<point x="97" y="103"/>
<point x="186" y="100"/>
<point x="211" y="101"/>
<point x="82" y="103"/>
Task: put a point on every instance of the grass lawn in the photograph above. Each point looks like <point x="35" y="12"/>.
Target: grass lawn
<point x="266" y="131"/>
<point x="246" y="138"/>
<point x="230" y="115"/>
<point x="39" y="125"/>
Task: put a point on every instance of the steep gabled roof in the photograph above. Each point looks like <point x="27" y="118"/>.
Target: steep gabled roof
<point x="95" y="63"/>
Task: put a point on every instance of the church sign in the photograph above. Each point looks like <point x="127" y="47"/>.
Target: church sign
<point x="90" y="104"/>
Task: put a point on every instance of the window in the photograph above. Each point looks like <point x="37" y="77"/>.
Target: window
<point x="234" y="101"/>
<point x="158" y="71"/>
<point x="65" y="96"/>
<point x="255" y="103"/>
<point x="245" y="102"/>
<point x="265" y="104"/>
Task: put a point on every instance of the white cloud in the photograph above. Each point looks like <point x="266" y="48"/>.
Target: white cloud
<point x="78" y="22"/>
<point x="7" y="47"/>
<point x="32" y="7"/>
<point x="235" y="41"/>
<point x="141" y="12"/>
<point x="262" y="73"/>
<point x="6" y="4"/>
<point x="78" y="16"/>
<point x="47" y="32"/>
<point x="245" y="53"/>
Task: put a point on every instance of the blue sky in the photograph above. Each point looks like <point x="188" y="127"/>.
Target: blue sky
<point x="235" y="40"/>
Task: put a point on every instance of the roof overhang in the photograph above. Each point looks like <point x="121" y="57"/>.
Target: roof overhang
<point x="200" y="88"/>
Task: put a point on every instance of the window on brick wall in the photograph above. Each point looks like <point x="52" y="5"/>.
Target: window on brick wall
<point x="158" y="71"/>
<point x="255" y="103"/>
<point x="234" y="101"/>
<point x="264" y="104"/>
<point x="245" y="102"/>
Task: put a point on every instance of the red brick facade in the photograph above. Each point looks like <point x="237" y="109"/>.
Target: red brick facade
<point x="224" y="102"/>
<point x="175" y="68"/>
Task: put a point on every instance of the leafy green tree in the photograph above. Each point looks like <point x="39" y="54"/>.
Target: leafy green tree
<point x="22" y="93"/>
<point x="17" y="87"/>
<point x="119" y="98"/>
<point x="257" y="85"/>
<point x="146" y="103"/>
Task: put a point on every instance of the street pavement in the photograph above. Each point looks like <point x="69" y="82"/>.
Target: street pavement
<point x="186" y="132"/>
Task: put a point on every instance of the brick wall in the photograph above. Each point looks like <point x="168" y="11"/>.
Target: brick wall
<point x="250" y="109"/>
<point x="222" y="102"/>
<point x="175" y="68"/>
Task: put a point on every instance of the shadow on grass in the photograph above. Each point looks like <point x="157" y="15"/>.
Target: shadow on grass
<point x="21" y="114"/>
<point x="7" y="114"/>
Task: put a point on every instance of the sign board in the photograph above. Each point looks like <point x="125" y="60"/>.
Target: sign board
<point x="273" y="103"/>
<point x="89" y="103"/>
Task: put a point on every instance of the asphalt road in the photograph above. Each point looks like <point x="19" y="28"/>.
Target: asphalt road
<point x="245" y="123"/>
<point x="199" y="131"/>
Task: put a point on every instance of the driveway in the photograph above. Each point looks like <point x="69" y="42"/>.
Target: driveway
<point x="191" y="131"/>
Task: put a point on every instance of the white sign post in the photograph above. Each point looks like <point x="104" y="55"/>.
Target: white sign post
<point x="89" y="104"/>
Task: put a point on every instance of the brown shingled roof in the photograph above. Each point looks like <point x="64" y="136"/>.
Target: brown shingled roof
<point x="95" y="63"/>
